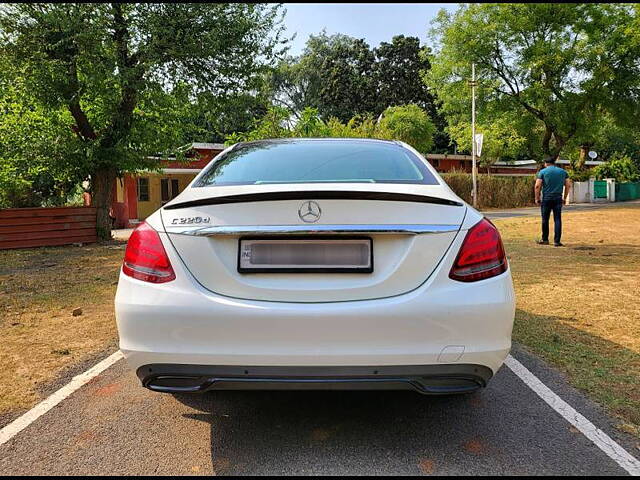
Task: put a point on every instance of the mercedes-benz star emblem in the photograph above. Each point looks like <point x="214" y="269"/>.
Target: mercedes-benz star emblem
<point x="309" y="212"/>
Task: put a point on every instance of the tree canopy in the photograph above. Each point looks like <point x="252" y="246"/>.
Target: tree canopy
<point x="125" y="73"/>
<point x="38" y="151"/>
<point x="334" y="75"/>
<point x="563" y="65"/>
<point x="407" y="123"/>
<point x="343" y="77"/>
<point x="410" y="124"/>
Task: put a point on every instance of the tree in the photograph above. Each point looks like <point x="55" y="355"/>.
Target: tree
<point x="274" y="124"/>
<point x="398" y="70"/>
<point x="610" y="138"/>
<point x="296" y="83"/>
<point x="560" y="64"/>
<point x="213" y="118"/>
<point x="410" y="124"/>
<point x="126" y="72"/>
<point x="334" y="74"/>
<point x="502" y="139"/>
<point x="348" y="85"/>
<point x="37" y="149"/>
<point x="342" y="78"/>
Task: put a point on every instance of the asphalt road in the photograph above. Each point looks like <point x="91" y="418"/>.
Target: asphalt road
<point x="113" y="426"/>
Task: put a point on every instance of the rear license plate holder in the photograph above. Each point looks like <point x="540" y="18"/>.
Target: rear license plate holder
<point x="267" y="255"/>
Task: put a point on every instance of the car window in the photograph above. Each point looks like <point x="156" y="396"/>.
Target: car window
<point x="317" y="161"/>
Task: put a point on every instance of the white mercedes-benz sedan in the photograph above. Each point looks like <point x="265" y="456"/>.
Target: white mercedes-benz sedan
<point x="316" y="264"/>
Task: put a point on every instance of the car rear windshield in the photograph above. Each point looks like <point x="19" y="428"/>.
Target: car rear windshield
<point x="317" y="161"/>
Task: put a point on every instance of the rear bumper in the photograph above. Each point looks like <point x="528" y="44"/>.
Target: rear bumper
<point x="425" y="379"/>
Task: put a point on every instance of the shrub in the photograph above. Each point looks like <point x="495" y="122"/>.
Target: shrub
<point x="493" y="191"/>
<point x="581" y="175"/>
<point x="621" y="167"/>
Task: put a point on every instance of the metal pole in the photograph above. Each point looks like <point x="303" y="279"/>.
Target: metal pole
<point x="474" y="172"/>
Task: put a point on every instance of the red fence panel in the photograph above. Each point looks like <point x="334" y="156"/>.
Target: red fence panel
<point x="43" y="227"/>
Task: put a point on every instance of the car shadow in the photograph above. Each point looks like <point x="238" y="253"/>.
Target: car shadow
<point x="303" y="432"/>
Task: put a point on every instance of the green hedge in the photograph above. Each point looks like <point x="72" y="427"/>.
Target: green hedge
<point x="493" y="191"/>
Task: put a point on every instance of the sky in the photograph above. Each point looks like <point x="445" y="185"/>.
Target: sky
<point x="375" y="22"/>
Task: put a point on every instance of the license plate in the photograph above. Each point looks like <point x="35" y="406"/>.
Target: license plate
<point x="305" y="255"/>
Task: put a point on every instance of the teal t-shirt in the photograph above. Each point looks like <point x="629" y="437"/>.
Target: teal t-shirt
<point x="552" y="181"/>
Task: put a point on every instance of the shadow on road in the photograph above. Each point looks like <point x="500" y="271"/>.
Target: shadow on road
<point x="312" y="432"/>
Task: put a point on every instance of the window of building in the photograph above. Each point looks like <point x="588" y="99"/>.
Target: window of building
<point x="169" y="189"/>
<point x="143" y="189"/>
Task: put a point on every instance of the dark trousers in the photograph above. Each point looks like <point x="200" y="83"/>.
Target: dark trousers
<point x="547" y="206"/>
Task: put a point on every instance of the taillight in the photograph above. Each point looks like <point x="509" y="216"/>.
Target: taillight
<point x="481" y="255"/>
<point x="146" y="258"/>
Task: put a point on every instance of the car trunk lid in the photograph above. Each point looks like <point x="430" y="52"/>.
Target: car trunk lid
<point x="410" y="227"/>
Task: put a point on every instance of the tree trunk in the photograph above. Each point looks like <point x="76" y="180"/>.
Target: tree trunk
<point x="584" y="149"/>
<point x="546" y="141"/>
<point x="102" y="185"/>
<point x="559" y="143"/>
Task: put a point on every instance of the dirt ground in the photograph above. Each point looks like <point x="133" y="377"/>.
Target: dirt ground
<point x="578" y="306"/>
<point x="40" y="335"/>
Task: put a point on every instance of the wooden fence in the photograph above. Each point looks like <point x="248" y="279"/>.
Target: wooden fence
<point x="43" y="227"/>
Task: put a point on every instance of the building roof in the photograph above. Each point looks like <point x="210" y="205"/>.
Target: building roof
<point x="534" y="164"/>
<point x="207" y="146"/>
<point x="269" y="141"/>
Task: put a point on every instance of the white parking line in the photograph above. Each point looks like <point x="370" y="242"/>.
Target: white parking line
<point x="22" y="422"/>
<point x="603" y="441"/>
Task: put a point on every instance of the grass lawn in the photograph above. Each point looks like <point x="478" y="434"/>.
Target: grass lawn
<point x="39" y="289"/>
<point x="578" y="306"/>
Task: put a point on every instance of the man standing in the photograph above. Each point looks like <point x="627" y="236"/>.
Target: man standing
<point x="551" y="180"/>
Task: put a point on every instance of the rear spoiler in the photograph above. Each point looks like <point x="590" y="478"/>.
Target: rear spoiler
<point x="313" y="195"/>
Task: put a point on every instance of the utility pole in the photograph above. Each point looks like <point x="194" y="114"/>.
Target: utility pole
<point x="474" y="170"/>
